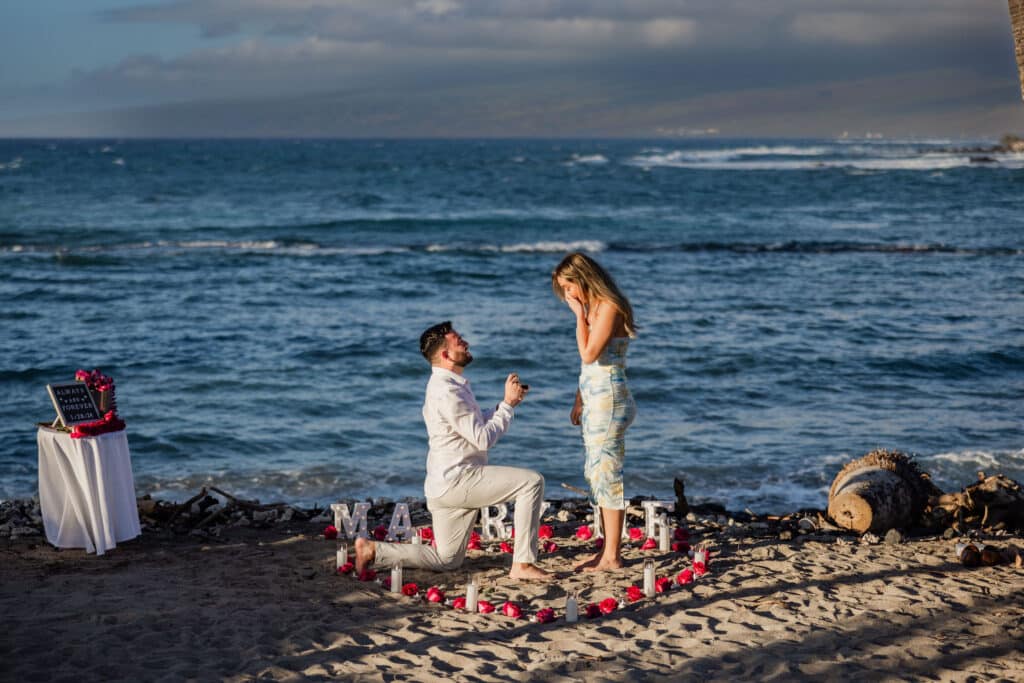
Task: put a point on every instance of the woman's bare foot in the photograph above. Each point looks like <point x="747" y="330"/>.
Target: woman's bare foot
<point x="366" y="551"/>
<point x="522" y="570"/>
<point x="591" y="562"/>
<point x="605" y="565"/>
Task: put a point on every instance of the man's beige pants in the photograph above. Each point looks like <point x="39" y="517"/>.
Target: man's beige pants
<point x="455" y="513"/>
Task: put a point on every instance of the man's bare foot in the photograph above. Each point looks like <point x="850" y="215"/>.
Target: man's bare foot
<point x="605" y="565"/>
<point x="521" y="570"/>
<point x="591" y="562"/>
<point x="366" y="551"/>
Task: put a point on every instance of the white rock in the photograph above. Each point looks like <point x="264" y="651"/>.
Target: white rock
<point x="288" y="514"/>
<point x="264" y="515"/>
<point x="565" y="516"/>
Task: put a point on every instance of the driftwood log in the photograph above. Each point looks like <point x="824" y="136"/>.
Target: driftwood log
<point x="996" y="501"/>
<point x="882" y="490"/>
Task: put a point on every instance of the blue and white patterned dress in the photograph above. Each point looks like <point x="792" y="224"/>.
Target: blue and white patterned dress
<point x="608" y="409"/>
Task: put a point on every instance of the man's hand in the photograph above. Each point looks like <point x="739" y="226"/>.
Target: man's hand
<point x="514" y="391"/>
<point x="577" y="410"/>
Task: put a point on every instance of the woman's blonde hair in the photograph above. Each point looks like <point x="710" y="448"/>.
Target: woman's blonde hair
<point x="595" y="282"/>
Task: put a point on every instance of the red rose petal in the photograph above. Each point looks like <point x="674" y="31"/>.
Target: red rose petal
<point x="584" y="533"/>
<point x="484" y="607"/>
<point x="410" y="589"/>
<point x="649" y="544"/>
<point x="608" y="605"/>
<point x="511" y="609"/>
<point x="546" y="615"/>
<point x="592" y="611"/>
<point x="634" y="593"/>
<point x="685" y="577"/>
<point x="635" y="534"/>
<point x="545" y="531"/>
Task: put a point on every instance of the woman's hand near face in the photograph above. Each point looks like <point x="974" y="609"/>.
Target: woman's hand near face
<point x="575" y="305"/>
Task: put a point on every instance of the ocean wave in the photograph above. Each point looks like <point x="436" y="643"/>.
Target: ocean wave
<point x="593" y="246"/>
<point x="992" y="461"/>
<point x="813" y="247"/>
<point x="745" y="159"/>
<point x="587" y="159"/>
<point x="312" y="249"/>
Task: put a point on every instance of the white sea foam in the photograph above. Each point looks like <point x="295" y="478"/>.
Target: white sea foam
<point x="985" y="460"/>
<point x="777" y="497"/>
<point x="12" y="165"/>
<point x="730" y="160"/>
<point x="587" y="159"/>
<point x="547" y="247"/>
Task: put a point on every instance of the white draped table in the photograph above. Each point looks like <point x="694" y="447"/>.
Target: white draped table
<point x="87" y="490"/>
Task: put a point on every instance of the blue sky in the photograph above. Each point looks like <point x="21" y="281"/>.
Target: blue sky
<point x="522" y="67"/>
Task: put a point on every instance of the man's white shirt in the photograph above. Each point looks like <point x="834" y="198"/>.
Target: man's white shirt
<point x="459" y="433"/>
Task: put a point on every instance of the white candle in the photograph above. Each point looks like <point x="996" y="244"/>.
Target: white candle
<point x="416" y="537"/>
<point x="472" y="595"/>
<point x="342" y="555"/>
<point x="571" y="610"/>
<point x="700" y="555"/>
<point x="663" y="542"/>
<point x="396" y="578"/>
<point x="649" y="578"/>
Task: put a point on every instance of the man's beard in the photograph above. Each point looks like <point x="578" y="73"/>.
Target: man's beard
<point x="462" y="361"/>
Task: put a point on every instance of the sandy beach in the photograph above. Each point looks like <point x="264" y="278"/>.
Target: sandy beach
<point x="267" y="604"/>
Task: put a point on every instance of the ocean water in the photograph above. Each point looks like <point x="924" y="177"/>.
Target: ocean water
<point x="259" y="304"/>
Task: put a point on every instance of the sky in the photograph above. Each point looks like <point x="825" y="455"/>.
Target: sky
<point x="508" y="68"/>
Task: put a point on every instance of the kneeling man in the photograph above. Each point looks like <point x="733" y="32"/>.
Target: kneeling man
<point x="459" y="480"/>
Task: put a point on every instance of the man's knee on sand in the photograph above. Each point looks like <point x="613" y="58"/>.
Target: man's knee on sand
<point x="450" y="560"/>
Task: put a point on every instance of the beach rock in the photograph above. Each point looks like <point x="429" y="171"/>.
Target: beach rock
<point x="287" y="515"/>
<point x="870" y="539"/>
<point x="786" y="535"/>
<point x="893" y="537"/>
<point x="565" y="516"/>
<point x="691" y="517"/>
<point x="765" y="552"/>
<point x="264" y="516"/>
<point x="949" y="533"/>
<point x="807" y="524"/>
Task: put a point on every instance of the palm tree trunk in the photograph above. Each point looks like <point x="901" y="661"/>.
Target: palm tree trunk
<point x="1017" y="23"/>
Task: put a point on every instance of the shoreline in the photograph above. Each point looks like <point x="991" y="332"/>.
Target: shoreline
<point x="264" y="601"/>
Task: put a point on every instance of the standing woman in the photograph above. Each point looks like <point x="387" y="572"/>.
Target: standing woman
<point x="604" y="405"/>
